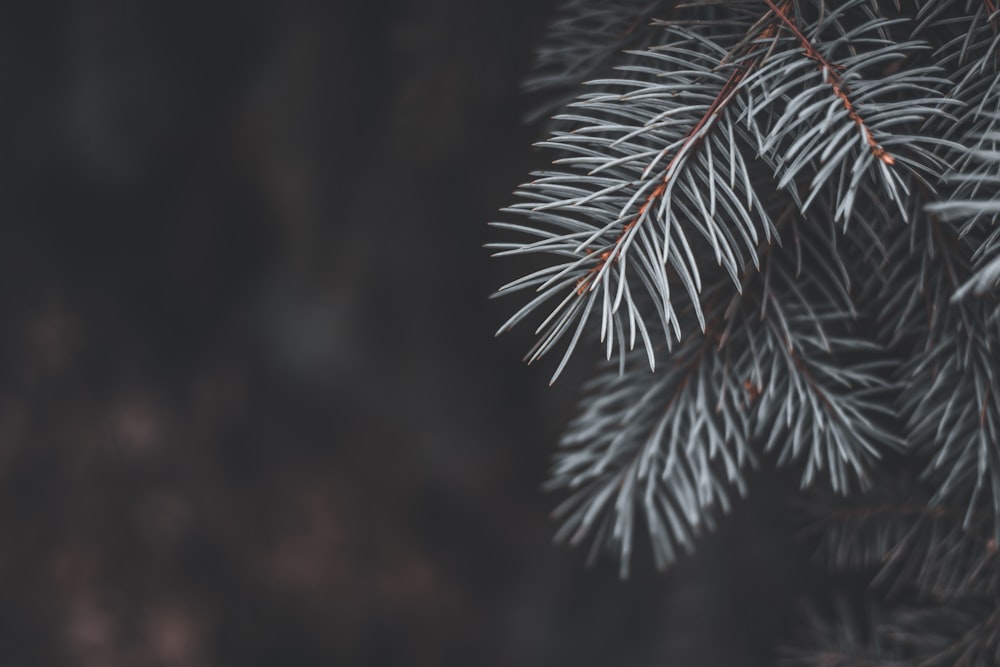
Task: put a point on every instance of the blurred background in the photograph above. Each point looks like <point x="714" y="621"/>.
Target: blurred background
<point x="252" y="411"/>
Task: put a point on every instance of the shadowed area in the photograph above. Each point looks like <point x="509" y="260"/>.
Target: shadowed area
<point x="251" y="410"/>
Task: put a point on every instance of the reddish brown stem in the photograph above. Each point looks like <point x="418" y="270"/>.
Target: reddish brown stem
<point x="833" y="78"/>
<point x="692" y="137"/>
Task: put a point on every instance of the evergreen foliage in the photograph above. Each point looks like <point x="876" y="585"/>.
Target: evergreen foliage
<point x="777" y="221"/>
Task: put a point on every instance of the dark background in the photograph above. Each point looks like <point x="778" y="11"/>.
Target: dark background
<point x="251" y="407"/>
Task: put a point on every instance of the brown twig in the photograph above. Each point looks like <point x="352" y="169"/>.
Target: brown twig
<point x="832" y="77"/>
<point x="693" y="137"/>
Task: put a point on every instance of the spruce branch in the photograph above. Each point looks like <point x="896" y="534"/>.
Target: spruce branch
<point x="787" y="212"/>
<point x="975" y="203"/>
<point x="672" y="447"/>
<point x="971" y="197"/>
<point x="824" y="391"/>
<point x="584" y="39"/>
<point x="952" y="409"/>
<point x="959" y="635"/>
<point x="657" y="176"/>
<point x="908" y="547"/>
<point x="669" y="447"/>
<point x="845" y="638"/>
<point x="966" y="635"/>
<point x="949" y="402"/>
<point x="651" y="181"/>
<point x="838" y="101"/>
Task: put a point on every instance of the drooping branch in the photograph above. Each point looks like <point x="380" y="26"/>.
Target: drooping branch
<point x="643" y="178"/>
<point x="690" y="142"/>
<point x="832" y="76"/>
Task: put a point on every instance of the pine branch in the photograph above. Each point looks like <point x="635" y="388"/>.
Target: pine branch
<point x="670" y="446"/>
<point x="654" y="183"/>
<point x="953" y="413"/>
<point x="823" y="388"/>
<point x="787" y="209"/>
<point x="839" y="102"/>
<point x="975" y="203"/>
<point x="959" y="635"/>
<point x="651" y="182"/>
<point x="847" y="640"/>
<point x="972" y="194"/>
<point x="583" y="41"/>
<point x="956" y="636"/>
<point x="949" y="402"/>
<point x="907" y="546"/>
